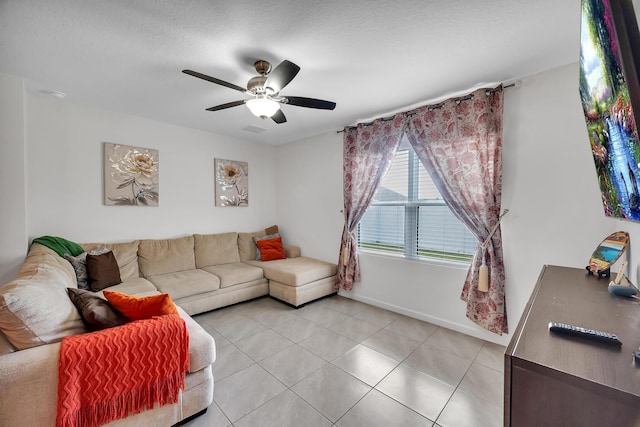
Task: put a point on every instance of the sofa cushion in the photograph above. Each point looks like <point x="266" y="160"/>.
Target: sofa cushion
<point x="126" y="254"/>
<point x="79" y="264"/>
<point x="138" y="308"/>
<point x="215" y="249"/>
<point x="185" y="283"/>
<point x="291" y="251"/>
<point x="235" y="273"/>
<point x="296" y="271"/>
<point x="166" y="256"/>
<point x="271" y="249"/>
<point x="35" y="308"/>
<point x="257" y="239"/>
<point x="103" y="271"/>
<point x="246" y="245"/>
<point x="138" y="286"/>
<point x="96" y="312"/>
<point x="272" y="230"/>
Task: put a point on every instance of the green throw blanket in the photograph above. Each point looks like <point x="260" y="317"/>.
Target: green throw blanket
<point x="59" y="245"/>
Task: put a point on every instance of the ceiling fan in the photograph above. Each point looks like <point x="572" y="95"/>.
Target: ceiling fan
<point x="265" y="90"/>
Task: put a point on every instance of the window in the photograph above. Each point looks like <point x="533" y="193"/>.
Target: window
<point x="409" y="217"/>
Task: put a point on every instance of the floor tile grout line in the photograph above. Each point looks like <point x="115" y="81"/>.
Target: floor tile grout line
<point x="482" y="364"/>
<point x="424" y="341"/>
<point x="331" y="362"/>
<point x="397" y="401"/>
<point x="467" y="371"/>
<point x="389" y="373"/>
<point x="457" y="387"/>
<point x="287" y="388"/>
<point x="327" y="362"/>
<point x="309" y="403"/>
<point x="379" y="391"/>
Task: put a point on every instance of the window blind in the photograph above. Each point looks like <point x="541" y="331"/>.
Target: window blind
<point x="408" y="216"/>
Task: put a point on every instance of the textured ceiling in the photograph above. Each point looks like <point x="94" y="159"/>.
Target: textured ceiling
<point x="370" y="57"/>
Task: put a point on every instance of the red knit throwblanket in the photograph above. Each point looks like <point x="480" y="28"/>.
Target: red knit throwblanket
<point x="106" y="375"/>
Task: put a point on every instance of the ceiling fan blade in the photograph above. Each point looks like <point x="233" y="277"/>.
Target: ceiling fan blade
<point x="227" y="105"/>
<point x="279" y="117"/>
<point x="310" y="102"/>
<point x="214" y="80"/>
<point x="282" y="75"/>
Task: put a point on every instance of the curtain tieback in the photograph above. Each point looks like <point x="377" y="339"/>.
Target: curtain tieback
<point x="483" y="273"/>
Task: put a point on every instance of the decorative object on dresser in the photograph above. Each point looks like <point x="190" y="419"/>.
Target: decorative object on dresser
<point x="607" y="253"/>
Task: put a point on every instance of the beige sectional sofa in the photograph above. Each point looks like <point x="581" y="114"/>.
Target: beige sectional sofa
<point x="199" y="272"/>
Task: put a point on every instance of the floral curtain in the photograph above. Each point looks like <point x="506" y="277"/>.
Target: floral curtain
<point x="368" y="152"/>
<point x="460" y="144"/>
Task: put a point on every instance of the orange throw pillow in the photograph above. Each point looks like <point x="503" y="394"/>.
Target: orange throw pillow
<point x="138" y="308"/>
<point x="271" y="249"/>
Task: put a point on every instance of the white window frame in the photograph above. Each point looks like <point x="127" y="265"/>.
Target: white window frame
<point x="411" y="220"/>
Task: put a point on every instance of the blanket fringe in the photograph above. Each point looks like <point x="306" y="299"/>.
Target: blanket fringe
<point x="165" y="391"/>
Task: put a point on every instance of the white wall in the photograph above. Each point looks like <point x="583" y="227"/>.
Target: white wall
<point x="310" y="201"/>
<point x="65" y="176"/>
<point x="550" y="183"/>
<point x="12" y="178"/>
<point x="549" y="186"/>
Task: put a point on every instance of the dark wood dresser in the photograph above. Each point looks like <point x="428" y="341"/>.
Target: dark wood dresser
<point x="558" y="380"/>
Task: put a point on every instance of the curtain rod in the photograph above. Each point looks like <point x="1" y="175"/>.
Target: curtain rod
<point x="458" y="100"/>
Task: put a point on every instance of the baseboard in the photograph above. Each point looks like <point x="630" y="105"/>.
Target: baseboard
<point x="454" y="326"/>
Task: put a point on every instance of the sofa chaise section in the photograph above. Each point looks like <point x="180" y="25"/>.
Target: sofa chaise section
<point x="295" y="280"/>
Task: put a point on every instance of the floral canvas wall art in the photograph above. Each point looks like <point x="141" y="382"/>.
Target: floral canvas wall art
<point x="130" y="175"/>
<point x="232" y="183"/>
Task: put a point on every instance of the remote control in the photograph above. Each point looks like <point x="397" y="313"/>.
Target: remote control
<point x="563" y="328"/>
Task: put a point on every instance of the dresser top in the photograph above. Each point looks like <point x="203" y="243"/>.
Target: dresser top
<point x="570" y="295"/>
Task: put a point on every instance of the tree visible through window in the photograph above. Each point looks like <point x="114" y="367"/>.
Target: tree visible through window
<point x="409" y="217"/>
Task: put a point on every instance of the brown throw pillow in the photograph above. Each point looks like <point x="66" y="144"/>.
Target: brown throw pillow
<point x="103" y="271"/>
<point x="96" y="312"/>
<point x="272" y="230"/>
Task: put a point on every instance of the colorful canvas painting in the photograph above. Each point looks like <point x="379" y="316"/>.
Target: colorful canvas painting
<point x="130" y="175"/>
<point x="609" y="116"/>
<point x="232" y="183"/>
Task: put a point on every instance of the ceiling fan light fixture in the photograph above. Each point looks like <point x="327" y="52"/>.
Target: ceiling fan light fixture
<point x="263" y="107"/>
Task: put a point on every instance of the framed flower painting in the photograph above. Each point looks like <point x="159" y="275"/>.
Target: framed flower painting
<point x="232" y="183"/>
<point x="130" y="175"/>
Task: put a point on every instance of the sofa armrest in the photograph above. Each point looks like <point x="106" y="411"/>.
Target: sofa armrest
<point x="202" y="347"/>
<point x="291" y="251"/>
<point x="29" y="381"/>
<point x="31" y="375"/>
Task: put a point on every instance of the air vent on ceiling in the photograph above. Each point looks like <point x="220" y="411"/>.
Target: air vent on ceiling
<point x="254" y="129"/>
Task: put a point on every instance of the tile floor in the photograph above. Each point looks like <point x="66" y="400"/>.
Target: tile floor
<point x="338" y="362"/>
